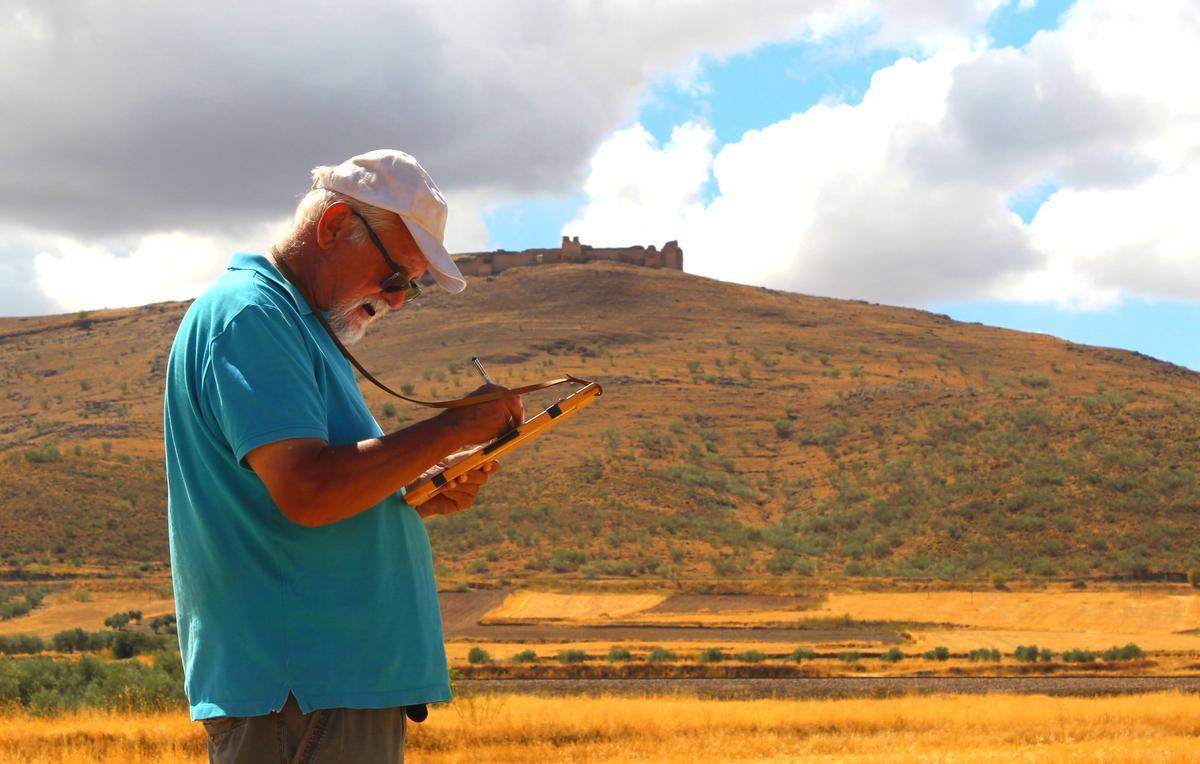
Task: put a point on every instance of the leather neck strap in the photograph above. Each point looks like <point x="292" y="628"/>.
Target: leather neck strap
<point x="452" y="404"/>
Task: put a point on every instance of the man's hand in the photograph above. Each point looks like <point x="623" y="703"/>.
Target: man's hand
<point x="485" y="421"/>
<point x="458" y="493"/>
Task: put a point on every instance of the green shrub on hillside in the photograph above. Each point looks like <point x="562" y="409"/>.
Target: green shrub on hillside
<point x="572" y="656"/>
<point x="1026" y="653"/>
<point x="984" y="654"/>
<point x="893" y="655"/>
<point x="1078" y="656"/>
<point x="782" y="563"/>
<point x="711" y="655"/>
<point x="619" y="655"/>
<point x="47" y="686"/>
<point x="656" y="442"/>
<point x="564" y="560"/>
<point x="661" y="655"/>
<point x="525" y="656"/>
<point x="163" y="624"/>
<point x="127" y="644"/>
<point x="750" y="656"/>
<point x="801" y="654"/>
<point x="44" y="454"/>
<point x="80" y="641"/>
<point x="1129" y="652"/>
<point x="478" y="655"/>
<point x="14" y="604"/>
<point x="21" y="644"/>
<point x="721" y="481"/>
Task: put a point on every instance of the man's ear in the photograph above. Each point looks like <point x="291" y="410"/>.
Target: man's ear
<point x="334" y="224"/>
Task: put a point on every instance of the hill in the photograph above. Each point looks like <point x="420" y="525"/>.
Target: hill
<point x="744" y="433"/>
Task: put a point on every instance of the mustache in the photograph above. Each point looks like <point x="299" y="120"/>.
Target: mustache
<point x="348" y="322"/>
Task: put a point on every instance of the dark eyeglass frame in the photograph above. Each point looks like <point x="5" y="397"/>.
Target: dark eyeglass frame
<point x="398" y="281"/>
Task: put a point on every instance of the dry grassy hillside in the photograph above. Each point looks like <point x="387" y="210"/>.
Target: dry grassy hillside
<point x="744" y="433"/>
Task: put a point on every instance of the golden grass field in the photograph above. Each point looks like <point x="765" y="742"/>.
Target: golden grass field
<point x="1056" y="619"/>
<point x="1160" y="727"/>
<point x="1060" y="619"/>
<point x="570" y="608"/>
<point x="62" y="611"/>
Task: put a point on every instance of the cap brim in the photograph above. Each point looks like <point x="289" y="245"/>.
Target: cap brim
<point x="441" y="265"/>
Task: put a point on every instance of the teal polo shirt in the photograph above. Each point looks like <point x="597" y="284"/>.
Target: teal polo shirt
<point x="345" y="615"/>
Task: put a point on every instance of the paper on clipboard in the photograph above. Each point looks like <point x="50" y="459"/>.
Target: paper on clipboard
<point x="509" y="441"/>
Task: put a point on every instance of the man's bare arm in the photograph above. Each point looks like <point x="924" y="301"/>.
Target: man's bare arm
<point x="314" y="483"/>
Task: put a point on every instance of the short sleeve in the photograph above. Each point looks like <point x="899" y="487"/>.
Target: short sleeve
<point x="259" y="382"/>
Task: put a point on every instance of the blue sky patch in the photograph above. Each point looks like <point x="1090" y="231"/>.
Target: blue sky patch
<point x="1162" y="329"/>
<point x="531" y="223"/>
<point x="1028" y="201"/>
<point x="753" y="90"/>
<point x="1013" y="27"/>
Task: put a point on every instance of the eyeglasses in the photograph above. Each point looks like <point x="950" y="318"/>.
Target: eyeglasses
<point x="398" y="281"/>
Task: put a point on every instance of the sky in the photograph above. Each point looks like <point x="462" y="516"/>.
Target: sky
<point x="1022" y="163"/>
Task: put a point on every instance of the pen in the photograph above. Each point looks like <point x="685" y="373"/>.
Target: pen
<point x="488" y="378"/>
<point x="482" y="371"/>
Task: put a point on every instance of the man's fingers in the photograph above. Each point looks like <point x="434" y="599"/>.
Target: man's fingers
<point x="458" y="493"/>
<point x="477" y="476"/>
<point x="516" y="410"/>
<point x="462" y="495"/>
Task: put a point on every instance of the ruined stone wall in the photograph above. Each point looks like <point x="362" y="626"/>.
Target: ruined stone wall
<point x="571" y="251"/>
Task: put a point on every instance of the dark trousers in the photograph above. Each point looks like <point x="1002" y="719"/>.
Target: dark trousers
<point x="287" y="736"/>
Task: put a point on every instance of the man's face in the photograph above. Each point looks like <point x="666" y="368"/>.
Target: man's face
<point x="359" y="299"/>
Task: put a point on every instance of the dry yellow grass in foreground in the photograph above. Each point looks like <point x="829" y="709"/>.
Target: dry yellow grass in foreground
<point x="101" y="737"/>
<point x="1159" y="727"/>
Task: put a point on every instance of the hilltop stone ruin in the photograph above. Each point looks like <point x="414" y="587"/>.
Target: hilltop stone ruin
<point x="571" y="251"/>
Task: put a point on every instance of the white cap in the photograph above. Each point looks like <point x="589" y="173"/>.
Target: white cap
<point x="393" y="181"/>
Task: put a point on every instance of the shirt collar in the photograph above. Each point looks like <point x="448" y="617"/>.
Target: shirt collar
<point x="262" y="265"/>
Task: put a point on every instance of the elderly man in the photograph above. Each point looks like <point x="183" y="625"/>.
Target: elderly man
<point x="308" y="612"/>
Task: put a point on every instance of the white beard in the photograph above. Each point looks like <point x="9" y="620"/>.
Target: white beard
<point x="349" y="320"/>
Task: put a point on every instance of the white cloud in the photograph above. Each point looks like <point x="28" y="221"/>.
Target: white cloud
<point x="902" y="198"/>
<point x="152" y="268"/>
<point x="184" y="116"/>
<point x="644" y="191"/>
<point x="71" y="274"/>
<point x="165" y="117"/>
<point x="1101" y="243"/>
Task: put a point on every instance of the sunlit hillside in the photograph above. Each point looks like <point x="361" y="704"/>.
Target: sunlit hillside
<point x="744" y="433"/>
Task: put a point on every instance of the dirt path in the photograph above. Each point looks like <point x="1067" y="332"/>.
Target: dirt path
<point x="835" y="687"/>
<point x="462" y="610"/>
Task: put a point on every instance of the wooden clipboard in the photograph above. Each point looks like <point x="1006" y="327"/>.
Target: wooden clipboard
<point x="531" y="428"/>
